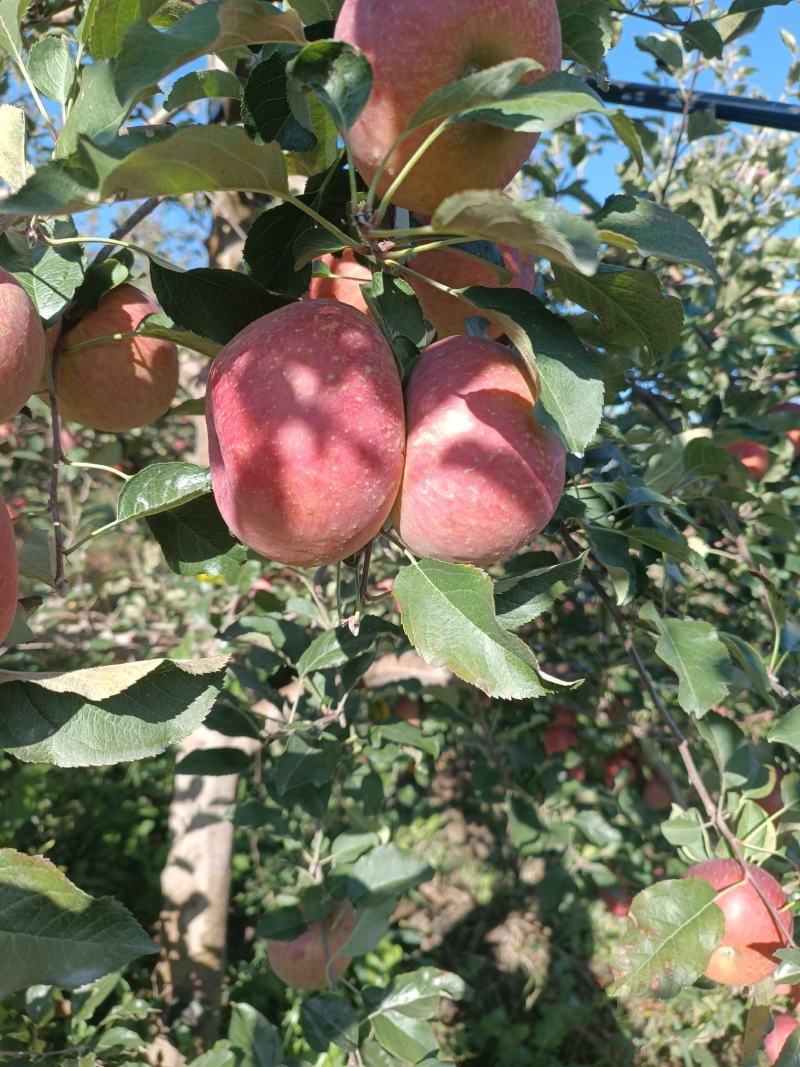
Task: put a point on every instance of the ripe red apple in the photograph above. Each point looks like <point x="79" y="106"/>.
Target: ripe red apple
<point x="344" y="283"/>
<point x="306" y="430"/>
<point x="447" y="313"/>
<point x="782" y="1028"/>
<point x="561" y="715"/>
<point x="656" y="792"/>
<point x="22" y="346"/>
<point x="751" y="936"/>
<point x="617" y="902"/>
<point x="116" y="385"/>
<point x="559" y="739"/>
<point x="791" y="407"/>
<point x="482" y="477"/>
<point x="754" y="457"/>
<point x="619" y="766"/>
<point x="416" y="47"/>
<point x="408" y="710"/>
<point x="773" y="801"/>
<point x="312" y="960"/>
<point x="9" y="577"/>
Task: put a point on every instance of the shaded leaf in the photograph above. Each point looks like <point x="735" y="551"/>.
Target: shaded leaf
<point x="161" y="487"/>
<point x="695" y="653"/>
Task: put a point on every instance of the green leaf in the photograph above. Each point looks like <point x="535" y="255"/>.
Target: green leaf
<point x="787" y="730"/>
<point x="405" y="733"/>
<point x="694" y="651"/>
<point x="269" y="249"/>
<point x="52" y="68"/>
<point x="537" y="226"/>
<point x="667" y="52"/>
<point x="214" y="762"/>
<point x="409" y="1039"/>
<point x="312" y="11"/>
<point x="674" y="928"/>
<point x="97" y="113"/>
<point x="587" y="32"/>
<point x="195" y="540"/>
<point x="339" y="76"/>
<point x="13" y="158"/>
<point x="630" y="307"/>
<point x="395" y="308"/>
<point x="571" y="386"/>
<point x="329" y="1020"/>
<point x="203" y="85"/>
<point x="790" y="1053"/>
<point x="656" y="230"/>
<point x="749" y="660"/>
<point x="307" y="762"/>
<point x="417" y="993"/>
<point x="448" y="613"/>
<point x="267" y="110"/>
<point x="755" y="830"/>
<point x="675" y="547"/>
<point x="545" y="105"/>
<point x="371" y="925"/>
<point x="147" y="54"/>
<point x="479" y="89"/>
<point x="161" y="487"/>
<point x="212" y="302"/>
<point x="334" y="647"/>
<point x="49" y="274"/>
<point x="386" y="871"/>
<point x="625" y="129"/>
<point x="523" y="598"/>
<point x="56" y="934"/>
<point x="704" y="36"/>
<point x="105" y="715"/>
<point x="105" y="23"/>
<point x="11" y="13"/>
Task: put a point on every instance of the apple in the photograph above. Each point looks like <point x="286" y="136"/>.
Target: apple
<point x="417" y="46"/>
<point x="619" y="769"/>
<point x="312" y="960"/>
<point x="408" y="710"/>
<point x="751" y="936"/>
<point x="561" y="715"/>
<point x="559" y="739"/>
<point x="347" y="276"/>
<point x="617" y="902"/>
<point x="306" y="431"/>
<point x="782" y="1027"/>
<point x="754" y="457"/>
<point x="447" y="313"/>
<point x="22" y="346"/>
<point x="773" y="801"/>
<point x="9" y="576"/>
<point x="116" y="385"/>
<point x="482" y="477"/>
<point x="791" y="407"/>
<point x="656" y="792"/>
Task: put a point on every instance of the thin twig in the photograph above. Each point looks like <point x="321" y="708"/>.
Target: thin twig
<point x="60" y="581"/>
<point x="125" y="227"/>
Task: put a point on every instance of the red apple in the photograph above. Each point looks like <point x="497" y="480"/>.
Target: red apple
<point x="751" y="936"/>
<point x="447" y="313"/>
<point x="792" y="407"/>
<point x="782" y="1027"/>
<point x="347" y="276"/>
<point x="563" y="716"/>
<point x="773" y="801"/>
<point x="9" y="577"/>
<point x="306" y="429"/>
<point x="754" y="457"/>
<point x="22" y="346"/>
<point x="619" y="769"/>
<point x="656" y="792"/>
<point x="116" y="385"/>
<point x="408" y="710"/>
<point x="559" y="739"/>
<point x="617" y="902"/>
<point x="417" y="46"/>
<point x="482" y="477"/>
<point x="577" y="774"/>
<point x="312" y="961"/>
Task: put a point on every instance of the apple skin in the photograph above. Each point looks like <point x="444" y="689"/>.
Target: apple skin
<point x="116" y="385"/>
<point x="415" y="47"/>
<point x="619" y="764"/>
<point x="22" y="346"/>
<point x="618" y="902"/>
<point x="306" y="432"/>
<point x="482" y="477"/>
<point x="348" y="275"/>
<point x="408" y="710"/>
<point x="304" y="962"/>
<point x="750" y="937"/>
<point x="783" y="1026"/>
<point x="754" y="457"/>
<point x="791" y="407"/>
<point x="559" y="739"/>
<point x="561" y="715"/>
<point x="9" y="575"/>
<point x="773" y="801"/>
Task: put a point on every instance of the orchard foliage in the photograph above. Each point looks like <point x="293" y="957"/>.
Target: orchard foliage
<point x="609" y="676"/>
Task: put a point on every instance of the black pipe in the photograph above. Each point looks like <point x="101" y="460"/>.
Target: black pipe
<point x="727" y="108"/>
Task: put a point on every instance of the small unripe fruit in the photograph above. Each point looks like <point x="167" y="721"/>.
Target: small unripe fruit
<point x="22" y="346"/>
<point x="306" y="431"/>
<point x="116" y="385"/>
<point x="9" y="576"/>
<point x="754" y="457"/>
<point x="783" y="1026"/>
<point x="751" y="935"/>
<point x="312" y="960"/>
<point x="482" y="477"/>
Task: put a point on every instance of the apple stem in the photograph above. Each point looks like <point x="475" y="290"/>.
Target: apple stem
<point x="347" y="242"/>
<point x="412" y="161"/>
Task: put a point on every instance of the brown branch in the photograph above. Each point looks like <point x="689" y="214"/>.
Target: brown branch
<point x="653" y="403"/>
<point x="125" y="227"/>
<point x="57" y="456"/>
